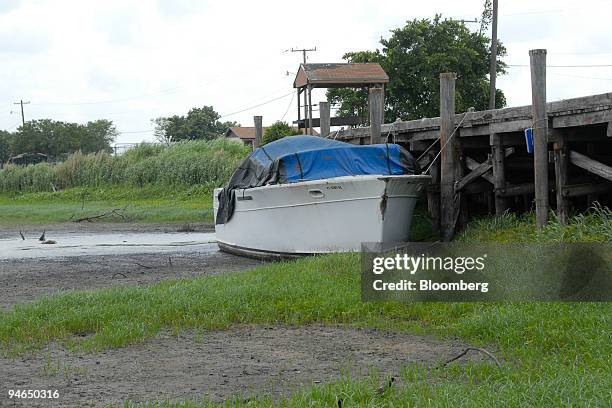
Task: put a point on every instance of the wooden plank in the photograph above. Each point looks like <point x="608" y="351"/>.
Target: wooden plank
<point x="499" y="172"/>
<point x="577" y="190"/>
<point x="335" y="121"/>
<point x="325" y="122"/>
<point x="540" y="134"/>
<point x="582" y="119"/>
<point x="473" y="165"/>
<point x="258" y="131"/>
<point x="517" y="190"/>
<point x="448" y="205"/>
<point x="310" y="125"/>
<point x="375" y="99"/>
<point x="510" y="126"/>
<point x="433" y="193"/>
<point x="560" y="151"/>
<point x="591" y="165"/>
<point x="473" y="175"/>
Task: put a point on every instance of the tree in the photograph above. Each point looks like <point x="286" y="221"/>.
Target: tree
<point x="5" y="146"/>
<point x="200" y="123"/>
<point x="58" y="139"/>
<point x="278" y="130"/>
<point x="413" y="57"/>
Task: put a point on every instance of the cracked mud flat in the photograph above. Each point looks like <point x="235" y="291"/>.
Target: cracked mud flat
<point x="63" y="267"/>
<point x="245" y="360"/>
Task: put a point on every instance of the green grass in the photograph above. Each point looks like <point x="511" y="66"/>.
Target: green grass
<point x="188" y="163"/>
<point x="142" y="204"/>
<point x="555" y="354"/>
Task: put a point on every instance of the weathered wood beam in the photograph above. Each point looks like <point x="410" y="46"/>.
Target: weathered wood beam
<point x="478" y="170"/>
<point x="433" y="193"/>
<point x="576" y="190"/>
<point x="325" y="122"/>
<point x="540" y="134"/>
<point x="590" y="165"/>
<point x="560" y="151"/>
<point x="582" y="119"/>
<point x="517" y="190"/>
<point x="473" y="175"/>
<point x="448" y="156"/>
<point x="258" y="131"/>
<point x="473" y="165"/>
<point x="375" y="100"/>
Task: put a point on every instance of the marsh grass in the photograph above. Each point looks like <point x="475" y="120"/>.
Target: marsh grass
<point x="182" y="164"/>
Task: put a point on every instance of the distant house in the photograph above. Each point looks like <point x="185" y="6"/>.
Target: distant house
<point x="247" y="134"/>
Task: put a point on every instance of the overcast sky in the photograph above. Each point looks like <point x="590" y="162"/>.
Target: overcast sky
<point x="133" y="60"/>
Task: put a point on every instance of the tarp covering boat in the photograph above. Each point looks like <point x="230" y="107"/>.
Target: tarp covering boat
<point x="303" y="158"/>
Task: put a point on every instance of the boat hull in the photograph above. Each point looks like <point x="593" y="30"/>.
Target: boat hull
<point x="322" y="216"/>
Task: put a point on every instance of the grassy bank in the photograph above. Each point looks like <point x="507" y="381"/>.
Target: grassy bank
<point x="138" y="204"/>
<point x="554" y="354"/>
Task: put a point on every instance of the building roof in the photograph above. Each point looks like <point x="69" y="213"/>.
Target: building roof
<point x="242" y="132"/>
<point x="340" y="75"/>
<point x="248" y="133"/>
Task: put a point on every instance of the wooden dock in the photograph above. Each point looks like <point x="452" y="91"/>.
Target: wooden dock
<point x="489" y="166"/>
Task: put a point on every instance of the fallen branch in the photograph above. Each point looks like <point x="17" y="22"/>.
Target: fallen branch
<point x="144" y="266"/>
<point x="118" y="212"/>
<point x="480" y="350"/>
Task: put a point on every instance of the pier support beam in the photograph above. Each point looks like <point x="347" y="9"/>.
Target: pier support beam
<point x="448" y="205"/>
<point x="560" y="149"/>
<point x="540" y="134"/>
<point x="433" y="193"/>
<point x="325" y="121"/>
<point x="258" y="131"/>
<point x="499" y="172"/>
<point x="375" y="98"/>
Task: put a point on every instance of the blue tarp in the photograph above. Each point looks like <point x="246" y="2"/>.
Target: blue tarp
<point x="315" y="158"/>
<point x="301" y="158"/>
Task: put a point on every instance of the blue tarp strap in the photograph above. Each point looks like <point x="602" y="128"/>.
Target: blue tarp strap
<point x="388" y="159"/>
<point x="297" y="156"/>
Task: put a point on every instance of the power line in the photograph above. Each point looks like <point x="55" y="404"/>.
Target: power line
<point x="256" y="106"/>
<point x="289" y="106"/>
<point x="581" y="77"/>
<point x="563" y="66"/>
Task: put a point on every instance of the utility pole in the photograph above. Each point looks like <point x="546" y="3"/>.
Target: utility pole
<point x="21" y="102"/>
<point x="493" y="66"/>
<point x="303" y="51"/>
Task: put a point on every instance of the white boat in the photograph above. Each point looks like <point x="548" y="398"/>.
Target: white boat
<point x="301" y="210"/>
<point x="320" y="216"/>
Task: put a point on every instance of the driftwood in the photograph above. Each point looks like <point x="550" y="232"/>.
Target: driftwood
<point x="480" y="350"/>
<point x="116" y="212"/>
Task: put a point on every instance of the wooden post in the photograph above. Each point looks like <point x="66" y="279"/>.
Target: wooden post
<point x="310" y="110"/>
<point x="324" y="118"/>
<point x="299" y="107"/>
<point x="448" y="157"/>
<point x="560" y="149"/>
<point x="305" y="112"/>
<point x="258" y="132"/>
<point x="375" y="98"/>
<point x="540" y="134"/>
<point x="433" y="193"/>
<point x="591" y="150"/>
<point x="499" y="172"/>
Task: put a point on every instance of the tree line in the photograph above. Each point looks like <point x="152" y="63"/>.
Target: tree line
<point x="413" y="57"/>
